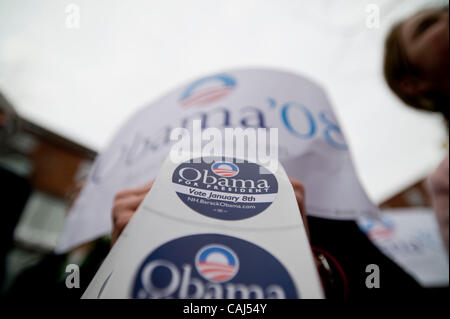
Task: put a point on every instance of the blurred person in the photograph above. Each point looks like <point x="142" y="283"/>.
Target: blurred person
<point x="14" y="188"/>
<point x="47" y="278"/>
<point x="416" y="69"/>
<point x="9" y="121"/>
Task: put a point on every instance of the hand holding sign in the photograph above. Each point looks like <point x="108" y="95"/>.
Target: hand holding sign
<point x="125" y="204"/>
<point x="127" y="201"/>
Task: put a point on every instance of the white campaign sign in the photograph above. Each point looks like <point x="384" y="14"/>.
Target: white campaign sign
<point x="410" y="237"/>
<point x="312" y="147"/>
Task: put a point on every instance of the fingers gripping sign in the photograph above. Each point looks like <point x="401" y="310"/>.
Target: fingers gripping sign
<point x="125" y="204"/>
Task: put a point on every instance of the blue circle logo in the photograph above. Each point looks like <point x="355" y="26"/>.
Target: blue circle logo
<point x="208" y="90"/>
<point x="225" y="190"/>
<point x="225" y="169"/>
<point x="217" y="263"/>
<point x="212" y="266"/>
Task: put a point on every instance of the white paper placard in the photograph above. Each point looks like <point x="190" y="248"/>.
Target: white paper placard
<point x="411" y="238"/>
<point x="312" y="147"/>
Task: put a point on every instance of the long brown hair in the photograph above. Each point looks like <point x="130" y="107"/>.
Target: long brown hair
<point x="397" y="68"/>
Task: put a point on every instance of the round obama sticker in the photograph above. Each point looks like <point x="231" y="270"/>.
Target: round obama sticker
<point x="212" y="266"/>
<point x="227" y="190"/>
